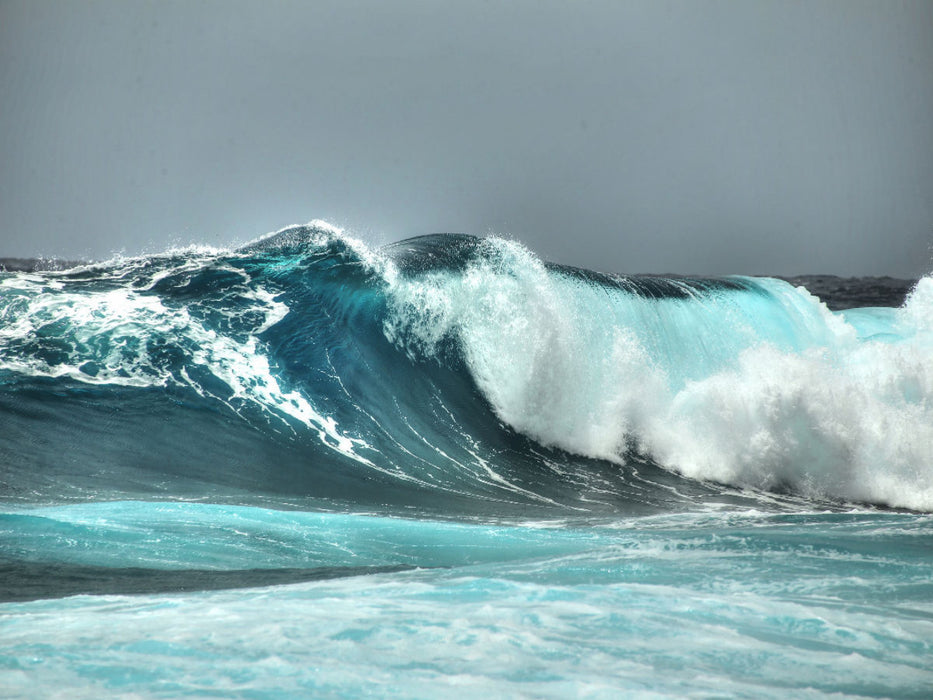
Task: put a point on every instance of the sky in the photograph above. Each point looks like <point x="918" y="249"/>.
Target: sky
<point x="694" y="137"/>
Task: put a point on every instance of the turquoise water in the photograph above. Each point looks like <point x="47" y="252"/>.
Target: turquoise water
<point x="736" y="603"/>
<point x="308" y="468"/>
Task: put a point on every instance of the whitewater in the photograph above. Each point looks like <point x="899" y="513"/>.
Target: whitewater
<point x="310" y="467"/>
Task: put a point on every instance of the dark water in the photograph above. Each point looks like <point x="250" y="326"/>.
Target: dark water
<point x="840" y="293"/>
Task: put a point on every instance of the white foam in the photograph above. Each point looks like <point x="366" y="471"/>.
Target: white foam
<point x="763" y="390"/>
<point x="108" y="337"/>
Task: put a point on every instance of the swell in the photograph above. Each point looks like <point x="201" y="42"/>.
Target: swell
<point x="451" y="374"/>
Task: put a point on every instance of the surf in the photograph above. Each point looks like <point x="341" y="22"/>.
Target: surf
<point x="458" y="375"/>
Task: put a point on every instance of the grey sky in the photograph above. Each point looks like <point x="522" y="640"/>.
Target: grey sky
<point x="696" y="137"/>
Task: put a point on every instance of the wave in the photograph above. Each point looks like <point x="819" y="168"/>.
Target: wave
<point x="454" y="374"/>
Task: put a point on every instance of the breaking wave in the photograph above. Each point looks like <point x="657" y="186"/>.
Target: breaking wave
<point x="455" y="374"/>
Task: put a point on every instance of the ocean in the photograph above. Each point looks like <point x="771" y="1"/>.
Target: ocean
<point x="309" y="467"/>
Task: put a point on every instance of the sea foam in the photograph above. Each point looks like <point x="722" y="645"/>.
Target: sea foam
<point x="764" y="388"/>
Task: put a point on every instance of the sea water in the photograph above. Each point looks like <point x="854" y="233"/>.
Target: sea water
<point x="310" y="468"/>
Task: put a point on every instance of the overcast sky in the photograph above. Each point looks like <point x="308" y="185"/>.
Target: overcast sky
<point x="693" y="137"/>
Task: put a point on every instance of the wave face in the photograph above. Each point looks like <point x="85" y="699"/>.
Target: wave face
<point x="308" y="468"/>
<point x="456" y="374"/>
